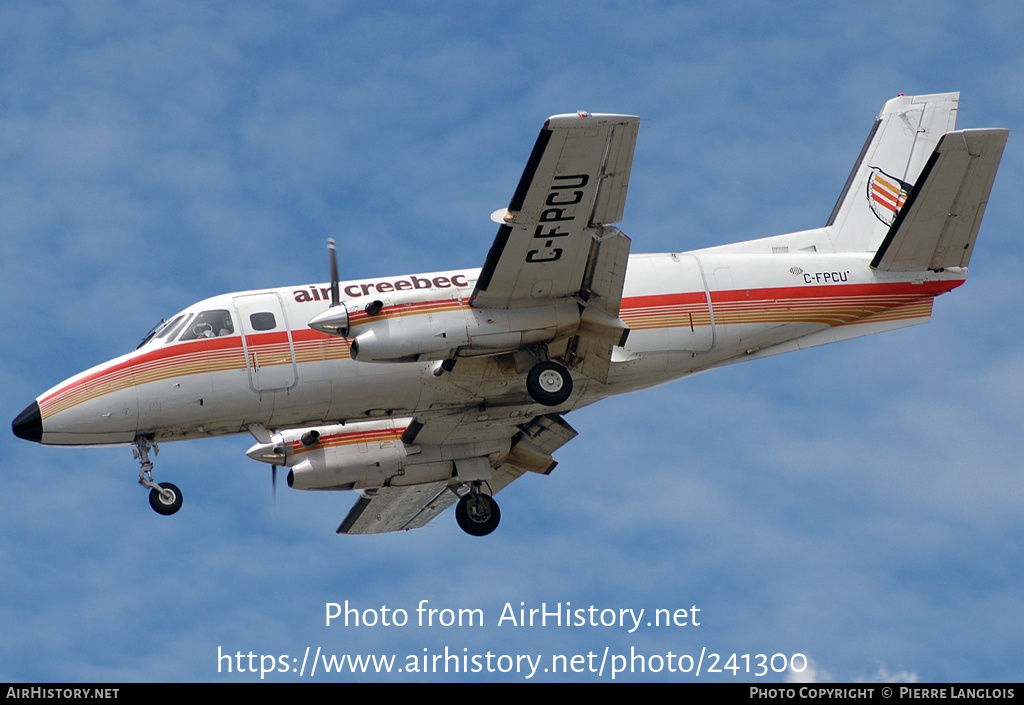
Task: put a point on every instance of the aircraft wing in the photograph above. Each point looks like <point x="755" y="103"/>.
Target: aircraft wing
<point x="403" y="508"/>
<point x="938" y="224"/>
<point x="576" y="179"/>
<point x="554" y="240"/>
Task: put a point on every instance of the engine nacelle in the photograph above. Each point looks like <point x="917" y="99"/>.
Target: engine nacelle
<point x="409" y="331"/>
<point x="420" y="326"/>
<point x="365" y="454"/>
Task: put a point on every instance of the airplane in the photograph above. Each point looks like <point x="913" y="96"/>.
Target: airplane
<point x="421" y="391"/>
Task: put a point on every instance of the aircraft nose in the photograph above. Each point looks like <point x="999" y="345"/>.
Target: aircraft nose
<point x="29" y="424"/>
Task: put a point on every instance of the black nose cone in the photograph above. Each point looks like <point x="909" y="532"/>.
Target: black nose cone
<point x="29" y="424"/>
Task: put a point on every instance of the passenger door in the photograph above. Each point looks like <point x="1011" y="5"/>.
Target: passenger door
<point x="269" y="350"/>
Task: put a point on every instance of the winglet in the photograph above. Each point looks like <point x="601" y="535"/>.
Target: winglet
<point x="937" y="226"/>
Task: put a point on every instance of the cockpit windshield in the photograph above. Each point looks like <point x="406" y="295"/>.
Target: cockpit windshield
<point x="166" y="329"/>
<point x="152" y="332"/>
<point x="209" y="324"/>
<point x="172" y="328"/>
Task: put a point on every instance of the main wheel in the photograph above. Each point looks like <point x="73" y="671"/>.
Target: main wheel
<point x="167" y="500"/>
<point x="478" y="515"/>
<point x="549" y="383"/>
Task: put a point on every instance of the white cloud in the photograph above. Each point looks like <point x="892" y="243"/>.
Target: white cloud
<point x="812" y="673"/>
<point x="884" y="676"/>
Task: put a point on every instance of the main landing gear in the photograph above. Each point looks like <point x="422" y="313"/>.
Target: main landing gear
<point x="549" y="383"/>
<point x="164" y="497"/>
<point x="477" y="513"/>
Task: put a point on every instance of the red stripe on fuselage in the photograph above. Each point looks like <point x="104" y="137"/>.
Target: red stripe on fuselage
<point x="216" y="353"/>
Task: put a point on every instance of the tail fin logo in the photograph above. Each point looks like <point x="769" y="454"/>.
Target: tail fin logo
<point x="886" y="195"/>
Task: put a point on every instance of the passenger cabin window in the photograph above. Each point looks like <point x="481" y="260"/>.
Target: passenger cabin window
<point x="263" y="321"/>
<point x="209" y="324"/>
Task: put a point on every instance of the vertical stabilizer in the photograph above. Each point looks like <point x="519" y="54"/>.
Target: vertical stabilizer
<point x="901" y="140"/>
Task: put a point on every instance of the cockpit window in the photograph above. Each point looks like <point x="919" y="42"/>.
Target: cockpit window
<point x="161" y="330"/>
<point x="152" y="332"/>
<point x="172" y="328"/>
<point x="209" y="324"/>
<point x="166" y="329"/>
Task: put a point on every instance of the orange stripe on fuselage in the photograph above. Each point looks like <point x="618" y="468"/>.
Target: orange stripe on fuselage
<point x="832" y="305"/>
<point x="195" y="357"/>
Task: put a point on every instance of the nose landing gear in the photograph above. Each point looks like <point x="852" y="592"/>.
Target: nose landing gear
<point x="165" y="498"/>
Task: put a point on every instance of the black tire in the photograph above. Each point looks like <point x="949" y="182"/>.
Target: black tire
<point x="161" y="505"/>
<point x="549" y="383"/>
<point x="477" y="516"/>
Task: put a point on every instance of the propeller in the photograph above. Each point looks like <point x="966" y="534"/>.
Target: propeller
<point x="273" y="487"/>
<point x="332" y="253"/>
<point x="333" y="321"/>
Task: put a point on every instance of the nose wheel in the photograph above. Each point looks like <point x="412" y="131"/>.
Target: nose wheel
<point x="165" y="498"/>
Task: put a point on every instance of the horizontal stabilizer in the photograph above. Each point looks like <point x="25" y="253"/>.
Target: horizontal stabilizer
<point x="937" y="226"/>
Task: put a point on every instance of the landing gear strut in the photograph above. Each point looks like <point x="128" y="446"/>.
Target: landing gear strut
<point x="477" y="513"/>
<point x="164" y="498"/>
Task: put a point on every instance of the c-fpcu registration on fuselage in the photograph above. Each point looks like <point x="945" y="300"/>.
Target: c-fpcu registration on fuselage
<point x="426" y="390"/>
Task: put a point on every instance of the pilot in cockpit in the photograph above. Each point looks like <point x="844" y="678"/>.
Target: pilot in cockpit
<point x="210" y="324"/>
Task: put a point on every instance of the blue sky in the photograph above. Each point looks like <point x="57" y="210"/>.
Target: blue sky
<point x="857" y="503"/>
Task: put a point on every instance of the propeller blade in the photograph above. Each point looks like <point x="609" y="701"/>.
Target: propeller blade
<point x="332" y="251"/>
<point x="273" y="489"/>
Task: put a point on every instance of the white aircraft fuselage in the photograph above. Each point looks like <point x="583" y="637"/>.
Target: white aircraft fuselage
<point x="687" y="312"/>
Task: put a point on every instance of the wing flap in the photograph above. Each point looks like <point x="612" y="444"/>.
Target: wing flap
<point x="397" y="509"/>
<point x="533" y="448"/>
<point x="412" y="507"/>
<point x="601" y="328"/>
<point x="938" y="225"/>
